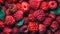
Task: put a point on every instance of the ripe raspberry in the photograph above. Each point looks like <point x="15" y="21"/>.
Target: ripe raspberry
<point x="38" y="12"/>
<point x="11" y="1"/>
<point x="34" y="3"/>
<point x="7" y="30"/>
<point x="18" y="15"/>
<point x="18" y="6"/>
<point x="42" y="28"/>
<point x="1" y="24"/>
<point x="31" y="17"/>
<point x="58" y="19"/>
<point x="44" y="6"/>
<point x="12" y="8"/>
<point x="52" y="16"/>
<point x="54" y="26"/>
<point x="25" y="7"/>
<point x="53" y="4"/>
<point x="47" y="21"/>
<point x="33" y="27"/>
<point x="9" y="20"/>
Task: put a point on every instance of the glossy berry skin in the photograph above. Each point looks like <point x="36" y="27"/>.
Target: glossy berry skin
<point x="18" y="15"/>
<point x="54" y="26"/>
<point x="34" y="3"/>
<point x="7" y="30"/>
<point x="44" y="6"/>
<point x="25" y="7"/>
<point x="9" y="20"/>
<point x="53" y="4"/>
<point x="2" y="24"/>
<point x="33" y="27"/>
<point x="42" y="28"/>
<point x="47" y="21"/>
<point x="58" y="19"/>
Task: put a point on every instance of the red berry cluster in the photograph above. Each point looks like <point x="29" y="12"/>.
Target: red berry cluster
<point x="35" y="14"/>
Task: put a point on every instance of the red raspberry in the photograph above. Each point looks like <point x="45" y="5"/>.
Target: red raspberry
<point x="54" y="26"/>
<point x="18" y="15"/>
<point x="1" y="24"/>
<point x="38" y="12"/>
<point x="47" y="21"/>
<point x="53" y="4"/>
<point x="58" y="1"/>
<point x="18" y="5"/>
<point x="31" y="17"/>
<point x="9" y="20"/>
<point x="57" y="32"/>
<point x="11" y="1"/>
<point x="44" y="6"/>
<point x="58" y="19"/>
<point x="32" y="26"/>
<point x="42" y="28"/>
<point x="49" y="32"/>
<point x="7" y="30"/>
<point x="12" y="8"/>
<point x="25" y="7"/>
<point x="52" y="16"/>
<point x="35" y="3"/>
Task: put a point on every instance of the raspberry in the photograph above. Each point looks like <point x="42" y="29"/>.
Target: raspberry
<point x="33" y="27"/>
<point x="12" y="8"/>
<point x="1" y="24"/>
<point x="52" y="16"/>
<point x="9" y="20"/>
<point x="58" y="19"/>
<point x="7" y="30"/>
<point x="25" y="7"/>
<point x="44" y="6"/>
<point x="34" y="3"/>
<point x="18" y="6"/>
<point x="18" y="15"/>
<point x="42" y="28"/>
<point x="54" y="26"/>
<point x="31" y="17"/>
<point x="38" y="12"/>
<point x="47" y="21"/>
<point x="52" y="4"/>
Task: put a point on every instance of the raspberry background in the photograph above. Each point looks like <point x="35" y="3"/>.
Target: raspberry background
<point x="29" y="16"/>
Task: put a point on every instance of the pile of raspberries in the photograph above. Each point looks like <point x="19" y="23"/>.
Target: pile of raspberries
<point x="35" y="13"/>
